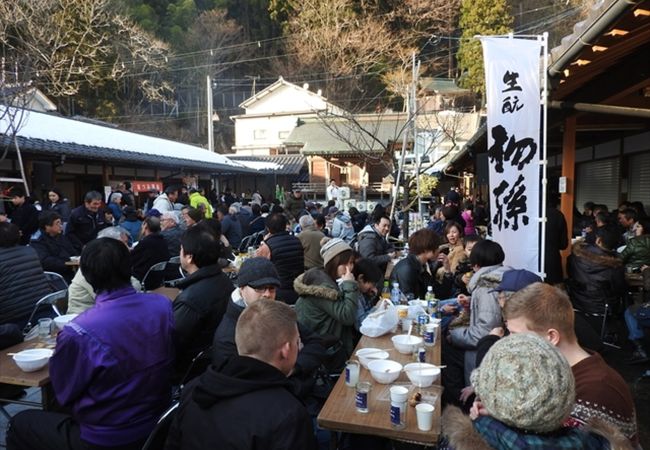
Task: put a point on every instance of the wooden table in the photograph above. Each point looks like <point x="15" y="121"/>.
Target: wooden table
<point x="169" y="292"/>
<point x="339" y="412"/>
<point x="10" y="373"/>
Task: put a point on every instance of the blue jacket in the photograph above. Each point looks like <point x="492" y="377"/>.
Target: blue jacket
<point x="342" y="228"/>
<point x="112" y="366"/>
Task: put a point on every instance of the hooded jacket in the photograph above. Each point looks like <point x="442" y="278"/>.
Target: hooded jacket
<point x="374" y="246"/>
<point x="342" y="227"/>
<point x="198" y="310"/>
<point x="310" y="357"/>
<point x="54" y="252"/>
<point x="325" y="308"/>
<point x="487" y="433"/>
<point x="244" y="404"/>
<point x="596" y="278"/>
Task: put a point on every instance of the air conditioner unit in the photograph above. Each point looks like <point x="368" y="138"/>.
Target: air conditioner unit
<point x="349" y="203"/>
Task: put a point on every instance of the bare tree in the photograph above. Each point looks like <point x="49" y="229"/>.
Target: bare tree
<point x="384" y="138"/>
<point x="74" y="43"/>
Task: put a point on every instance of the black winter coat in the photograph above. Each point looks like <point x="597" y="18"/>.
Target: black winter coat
<point x="557" y="238"/>
<point x="22" y="283"/>
<point x="198" y="310"/>
<point x="375" y="247"/>
<point x="150" y="250"/>
<point x="596" y="277"/>
<point x="309" y="359"/>
<point x="54" y="252"/>
<point x="414" y="279"/>
<point x="25" y="217"/>
<point x="85" y="224"/>
<point x="244" y="404"/>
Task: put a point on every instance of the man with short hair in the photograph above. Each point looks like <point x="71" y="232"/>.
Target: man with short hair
<point x="87" y="220"/>
<point x="24" y="215"/>
<point x="628" y="217"/>
<point x="333" y="193"/>
<point x="310" y="239"/>
<point x="600" y="391"/>
<point x="151" y="249"/>
<point x="230" y="225"/>
<point x="205" y="292"/>
<point x="53" y="248"/>
<point x="373" y="243"/>
<point x="295" y="204"/>
<point x="171" y="232"/>
<point x="165" y="201"/>
<point x="247" y="402"/>
<point x="111" y="368"/>
<point x="596" y="274"/>
<point x="80" y="293"/>
<point x="285" y="252"/>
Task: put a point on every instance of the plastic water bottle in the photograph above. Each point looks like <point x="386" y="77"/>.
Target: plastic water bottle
<point x="395" y="294"/>
<point x="385" y="293"/>
<point x="432" y="302"/>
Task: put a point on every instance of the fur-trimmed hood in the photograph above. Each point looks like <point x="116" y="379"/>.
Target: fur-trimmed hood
<point x="595" y="255"/>
<point x="316" y="283"/>
<point x="489" y="276"/>
<point x="461" y="434"/>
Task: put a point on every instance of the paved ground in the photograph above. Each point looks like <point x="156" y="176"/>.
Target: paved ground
<point x="640" y="388"/>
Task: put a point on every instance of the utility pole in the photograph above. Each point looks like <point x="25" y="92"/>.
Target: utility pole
<point x="414" y="128"/>
<point x="210" y="125"/>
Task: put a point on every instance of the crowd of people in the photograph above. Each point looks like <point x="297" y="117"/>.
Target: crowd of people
<point x="251" y="351"/>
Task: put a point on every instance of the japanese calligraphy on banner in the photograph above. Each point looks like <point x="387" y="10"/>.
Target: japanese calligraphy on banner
<point x="512" y="68"/>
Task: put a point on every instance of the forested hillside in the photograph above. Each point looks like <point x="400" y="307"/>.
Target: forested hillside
<point x="142" y="64"/>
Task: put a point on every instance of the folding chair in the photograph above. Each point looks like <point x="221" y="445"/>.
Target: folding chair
<point x="158" y="436"/>
<point x="56" y="281"/>
<point x="158" y="267"/>
<point x="50" y="299"/>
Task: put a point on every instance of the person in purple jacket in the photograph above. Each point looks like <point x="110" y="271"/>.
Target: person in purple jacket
<point x="111" y="368"/>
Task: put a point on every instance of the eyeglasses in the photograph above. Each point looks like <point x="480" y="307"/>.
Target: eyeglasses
<point x="263" y="289"/>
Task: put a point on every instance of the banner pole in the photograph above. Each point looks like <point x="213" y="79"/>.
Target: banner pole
<point x="544" y="159"/>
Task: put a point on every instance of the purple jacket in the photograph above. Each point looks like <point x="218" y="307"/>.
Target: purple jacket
<point x="112" y="366"/>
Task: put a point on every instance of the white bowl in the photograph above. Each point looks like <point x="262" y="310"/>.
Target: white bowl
<point x="384" y="371"/>
<point x="63" y="320"/>
<point x="366" y="355"/>
<point x="33" y="360"/>
<point x="422" y="374"/>
<point x="422" y="303"/>
<point x="406" y="344"/>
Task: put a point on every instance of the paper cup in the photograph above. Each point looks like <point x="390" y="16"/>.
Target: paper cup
<point x="424" y="414"/>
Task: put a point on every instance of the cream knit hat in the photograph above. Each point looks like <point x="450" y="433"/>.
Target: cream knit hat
<point x="331" y="248"/>
<point x="526" y="383"/>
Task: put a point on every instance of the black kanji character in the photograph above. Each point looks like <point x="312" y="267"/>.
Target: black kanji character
<point x="510" y="79"/>
<point x="519" y="153"/>
<point x="511" y="106"/>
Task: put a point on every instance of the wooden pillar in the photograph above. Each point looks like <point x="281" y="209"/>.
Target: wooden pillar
<point x="568" y="171"/>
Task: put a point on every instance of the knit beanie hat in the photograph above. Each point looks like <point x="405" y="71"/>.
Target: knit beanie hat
<point x="331" y="248"/>
<point x="526" y="383"/>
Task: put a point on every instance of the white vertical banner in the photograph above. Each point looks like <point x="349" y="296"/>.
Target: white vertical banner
<point x="512" y="69"/>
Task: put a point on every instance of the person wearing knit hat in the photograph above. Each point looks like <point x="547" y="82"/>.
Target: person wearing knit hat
<point x="526" y="383"/>
<point x="526" y="390"/>
<point x="328" y="296"/>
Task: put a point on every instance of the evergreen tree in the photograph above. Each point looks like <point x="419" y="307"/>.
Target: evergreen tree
<point x="479" y="17"/>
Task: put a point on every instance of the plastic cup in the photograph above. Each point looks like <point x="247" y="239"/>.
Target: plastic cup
<point x="44" y="328"/>
<point x="361" y="397"/>
<point x="351" y="373"/>
<point x="402" y="312"/>
<point x="430" y="333"/>
<point x="398" y="406"/>
<point x="424" y="414"/>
